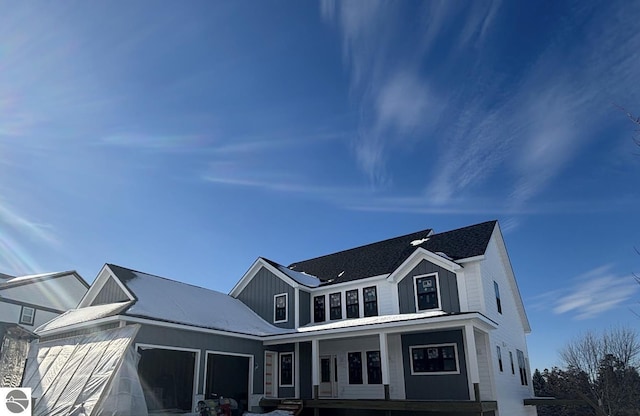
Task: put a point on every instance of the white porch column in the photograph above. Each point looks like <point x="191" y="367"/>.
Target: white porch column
<point x="472" y="362"/>
<point x="315" y="361"/>
<point x="384" y="363"/>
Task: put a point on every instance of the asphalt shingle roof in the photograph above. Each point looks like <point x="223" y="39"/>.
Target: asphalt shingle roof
<point x="384" y="257"/>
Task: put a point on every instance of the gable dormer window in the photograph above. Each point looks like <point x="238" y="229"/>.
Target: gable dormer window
<point x="280" y="308"/>
<point x="335" y="306"/>
<point x="318" y="309"/>
<point x="353" y="306"/>
<point x="370" y="301"/>
<point x="427" y="296"/>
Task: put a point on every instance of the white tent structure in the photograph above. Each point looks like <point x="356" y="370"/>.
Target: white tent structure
<point x="91" y="374"/>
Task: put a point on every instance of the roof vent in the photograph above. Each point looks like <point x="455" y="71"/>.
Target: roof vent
<point x="418" y="242"/>
<point x="341" y="273"/>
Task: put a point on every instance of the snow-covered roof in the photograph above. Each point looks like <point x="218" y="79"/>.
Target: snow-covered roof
<point x="11" y="281"/>
<point x="172" y="301"/>
<point x="371" y="320"/>
<point x="77" y="316"/>
<point x="300" y="277"/>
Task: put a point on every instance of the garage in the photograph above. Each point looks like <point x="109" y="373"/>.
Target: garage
<point x="167" y="376"/>
<point x="229" y="375"/>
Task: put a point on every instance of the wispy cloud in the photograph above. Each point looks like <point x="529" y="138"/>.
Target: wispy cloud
<point x="589" y="294"/>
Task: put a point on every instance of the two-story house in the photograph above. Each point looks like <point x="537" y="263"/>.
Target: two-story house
<point x="424" y="322"/>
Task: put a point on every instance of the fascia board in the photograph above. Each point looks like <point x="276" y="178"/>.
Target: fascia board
<point x="250" y="274"/>
<point x="470" y="259"/>
<point x="415" y="258"/>
<point x="448" y="321"/>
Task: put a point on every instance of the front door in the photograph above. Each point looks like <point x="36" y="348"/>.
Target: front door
<point x="328" y="376"/>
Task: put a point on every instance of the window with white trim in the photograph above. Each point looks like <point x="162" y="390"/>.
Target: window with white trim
<point x="370" y="297"/>
<point x="27" y="315"/>
<point x="353" y="307"/>
<point x="280" y="308"/>
<point x="335" y="306"/>
<point x="286" y="369"/>
<point x="426" y="288"/>
<point x="318" y="309"/>
<point x="434" y="359"/>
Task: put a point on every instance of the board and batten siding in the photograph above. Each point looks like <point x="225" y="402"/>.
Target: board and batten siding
<point x="110" y="293"/>
<point x="305" y="307"/>
<point x="435" y="386"/>
<point x="448" y="287"/>
<point x="259" y="294"/>
<point x="171" y="337"/>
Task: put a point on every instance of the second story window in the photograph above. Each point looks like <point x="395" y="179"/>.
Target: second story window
<point x="513" y="371"/>
<point x="280" y="308"/>
<point x="335" y="306"/>
<point x="426" y="292"/>
<point x="370" y="301"/>
<point x="353" y="307"/>
<point x="318" y="309"/>
<point x="27" y="315"/>
<point x="523" y="368"/>
<point x="499" y="357"/>
<point x="498" y="302"/>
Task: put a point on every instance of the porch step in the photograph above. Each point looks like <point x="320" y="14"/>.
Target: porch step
<point x="294" y="406"/>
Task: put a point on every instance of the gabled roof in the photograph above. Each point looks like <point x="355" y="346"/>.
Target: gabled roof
<point x="167" y="300"/>
<point x="386" y="256"/>
<point x="35" y="278"/>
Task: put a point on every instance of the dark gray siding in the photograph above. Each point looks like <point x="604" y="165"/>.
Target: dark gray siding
<point x="284" y="392"/>
<point x="435" y="387"/>
<point x="110" y="293"/>
<point x="259" y="293"/>
<point x="306" y="390"/>
<point x="305" y="307"/>
<point x="448" y="288"/>
<point x="150" y="334"/>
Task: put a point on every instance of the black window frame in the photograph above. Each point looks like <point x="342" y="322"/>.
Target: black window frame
<point x="354" y="363"/>
<point x="513" y="369"/>
<point x="522" y="368"/>
<point x="374" y="367"/>
<point x="277" y="309"/>
<point x="286" y="371"/>
<point x="496" y="288"/>
<point x="335" y="311"/>
<point x="422" y="295"/>
<point x="441" y="354"/>
<point x="499" y="352"/>
<point x="22" y="315"/>
<point x="319" y="308"/>
<point x="370" y="306"/>
<point x="353" y="308"/>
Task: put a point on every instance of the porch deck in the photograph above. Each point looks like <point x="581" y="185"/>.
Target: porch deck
<point x="434" y="406"/>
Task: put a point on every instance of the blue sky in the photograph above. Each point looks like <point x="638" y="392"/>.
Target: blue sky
<point x="187" y="139"/>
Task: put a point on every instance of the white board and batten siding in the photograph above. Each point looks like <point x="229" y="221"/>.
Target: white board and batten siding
<point x="340" y="348"/>
<point x="509" y="335"/>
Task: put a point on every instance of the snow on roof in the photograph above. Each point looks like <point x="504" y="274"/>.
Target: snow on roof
<point x="371" y="320"/>
<point x="12" y="279"/>
<point x="300" y="277"/>
<point x="171" y="301"/>
<point x="419" y="241"/>
<point x="76" y="316"/>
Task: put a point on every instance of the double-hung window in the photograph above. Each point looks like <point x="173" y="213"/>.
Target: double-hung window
<point x="354" y="360"/>
<point x="498" y="301"/>
<point x="353" y="307"/>
<point x="434" y="359"/>
<point x="523" y="368"/>
<point x="426" y="292"/>
<point x="513" y="370"/>
<point x="280" y="308"/>
<point x="374" y="368"/>
<point x="499" y="358"/>
<point x="370" y="301"/>
<point x="27" y="315"/>
<point x="335" y="306"/>
<point x="318" y="309"/>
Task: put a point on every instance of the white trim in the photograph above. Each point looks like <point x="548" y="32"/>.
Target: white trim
<point x="415" y="258"/>
<point x="470" y="259"/>
<point x="196" y="366"/>
<point x="293" y="376"/>
<point x="286" y="307"/>
<point x="436" y="373"/>
<point x="415" y="291"/>
<point x="32" y="316"/>
<point x="253" y="270"/>
<point x="233" y="354"/>
<point x="354" y="283"/>
<point x="417" y="325"/>
<point x="103" y="277"/>
<point x="296" y="307"/>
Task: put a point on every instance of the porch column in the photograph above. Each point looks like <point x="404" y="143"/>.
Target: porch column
<point x="384" y="363"/>
<point x="315" y="360"/>
<point x="472" y="362"/>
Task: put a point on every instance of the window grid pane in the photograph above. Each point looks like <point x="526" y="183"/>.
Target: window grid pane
<point x="434" y="359"/>
<point x="353" y="309"/>
<point x="426" y="289"/>
<point x="355" y="367"/>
